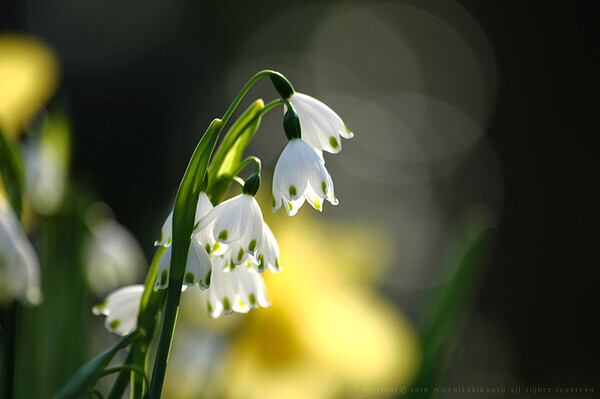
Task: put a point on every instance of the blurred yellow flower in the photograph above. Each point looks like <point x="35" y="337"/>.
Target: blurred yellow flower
<point x="29" y="74"/>
<point x="328" y="333"/>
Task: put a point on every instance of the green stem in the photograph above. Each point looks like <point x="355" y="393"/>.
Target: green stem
<point x="243" y="92"/>
<point x="128" y="367"/>
<point x="165" y="341"/>
<point x="121" y="382"/>
<point x="10" y="341"/>
<point x="243" y="163"/>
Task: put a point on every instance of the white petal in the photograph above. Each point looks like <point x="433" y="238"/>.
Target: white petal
<point x="252" y="240"/>
<point x="198" y="266"/>
<point x="321" y="126"/>
<point x="235" y="291"/>
<point x="19" y="267"/>
<point x="289" y="177"/>
<point x="269" y="253"/>
<point x="164" y="266"/>
<point x="202" y="206"/>
<point x="166" y="232"/>
<point x="121" y="308"/>
<point x="292" y="207"/>
<point x="232" y="220"/>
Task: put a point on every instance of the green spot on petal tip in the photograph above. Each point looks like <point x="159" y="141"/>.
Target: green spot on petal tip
<point x="101" y="305"/>
<point x="324" y="187"/>
<point x="189" y="278"/>
<point x="240" y="254"/>
<point x="223" y="235"/>
<point x="207" y="278"/>
<point x="114" y="324"/>
<point x="163" y="277"/>
<point x="333" y="142"/>
<point x="252" y="299"/>
<point x="293" y="191"/>
<point x="226" y="304"/>
<point x="252" y="246"/>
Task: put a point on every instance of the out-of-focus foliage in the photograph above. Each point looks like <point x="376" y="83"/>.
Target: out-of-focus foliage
<point x="29" y="72"/>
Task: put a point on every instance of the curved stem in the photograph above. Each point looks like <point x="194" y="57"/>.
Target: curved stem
<point x="238" y="180"/>
<point x="118" y="369"/>
<point x="247" y="161"/>
<point x="243" y="92"/>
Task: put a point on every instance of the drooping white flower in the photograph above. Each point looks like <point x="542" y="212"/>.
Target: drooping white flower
<point x="19" y="266"/>
<point x="268" y="254"/>
<point x="238" y="290"/>
<point x="197" y="267"/>
<point x="321" y="126"/>
<point x="166" y="234"/>
<point x="300" y="175"/>
<point x="121" y="309"/>
<point x="237" y="225"/>
<point x="112" y="256"/>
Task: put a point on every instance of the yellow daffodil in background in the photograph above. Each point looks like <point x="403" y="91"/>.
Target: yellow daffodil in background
<point x="29" y="72"/>
<point x="328" y="333"/>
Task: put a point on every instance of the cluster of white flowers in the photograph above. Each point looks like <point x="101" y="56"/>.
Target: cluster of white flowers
<point x="231" y="244"/>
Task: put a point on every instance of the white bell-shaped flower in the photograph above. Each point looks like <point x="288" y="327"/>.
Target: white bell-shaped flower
<point x="19" y="266"/>
<point x="197" y="268"/>
<point x="166" y="234"/>
<point x="268" y="254"/>
<point x="321" y="126"/>
<point x="236" y="224"/>
<point x="235" y="291"/>
<point x="300" y="175"/>
<point x="121" y="309"/>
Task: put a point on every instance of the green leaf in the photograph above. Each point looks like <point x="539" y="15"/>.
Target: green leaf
<point x="88" y="374"/>
<point x="230" y="152"/>
<point x="11" y="171"/>
<point x="450" y="304"/>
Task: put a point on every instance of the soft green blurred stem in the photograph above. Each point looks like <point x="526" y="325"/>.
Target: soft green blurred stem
<point x="450" y="305"/>
<point x="9" y="350"/>
<point x="63" y="346"/>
